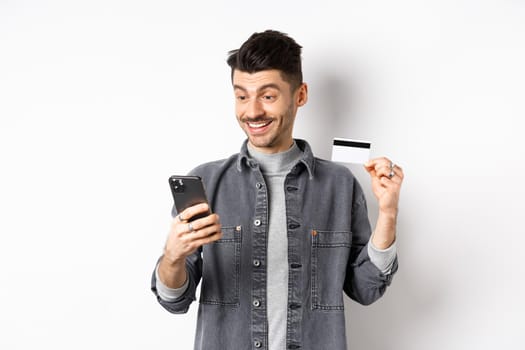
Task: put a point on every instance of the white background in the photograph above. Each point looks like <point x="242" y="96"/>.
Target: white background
<point x="100" y="101"/>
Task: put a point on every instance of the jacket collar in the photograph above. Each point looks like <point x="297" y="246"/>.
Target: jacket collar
<point x="307" y="160"/>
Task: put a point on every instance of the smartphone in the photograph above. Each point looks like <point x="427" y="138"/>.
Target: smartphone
<point x="188" y="191"/>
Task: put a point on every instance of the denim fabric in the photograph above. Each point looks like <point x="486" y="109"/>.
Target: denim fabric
<point x="328" y="228"/>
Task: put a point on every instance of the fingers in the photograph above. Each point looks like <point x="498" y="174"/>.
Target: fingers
<point x="204" y="226"/>
<point x="385" y="170"/>
<point x="199" y="232"/>
<point x="190" y="212"/>
<point x="204" y="236"/>
<point x="185" y="237"/>
<point x="196" y="229"/>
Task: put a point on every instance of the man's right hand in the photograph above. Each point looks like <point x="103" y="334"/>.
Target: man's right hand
<point x="183" y="239"/>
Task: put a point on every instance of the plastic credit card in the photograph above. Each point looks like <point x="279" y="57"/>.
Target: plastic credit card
<point x="350" y="151"/>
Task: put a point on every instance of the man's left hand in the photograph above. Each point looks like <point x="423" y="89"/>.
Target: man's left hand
<point x="387" y="178"/>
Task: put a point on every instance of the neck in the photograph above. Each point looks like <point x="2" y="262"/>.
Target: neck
<point x="276" y="162"/>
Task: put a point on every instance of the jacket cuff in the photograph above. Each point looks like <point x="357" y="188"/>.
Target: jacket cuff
<point x="166" y="293"/>
<point x="383" y="259"/>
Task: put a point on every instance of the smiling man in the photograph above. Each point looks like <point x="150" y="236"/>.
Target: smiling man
<point x="266" y="106"/>
<point x="293" y="234"/>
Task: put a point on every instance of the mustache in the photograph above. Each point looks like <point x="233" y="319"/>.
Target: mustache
<point x="256" y="120"/>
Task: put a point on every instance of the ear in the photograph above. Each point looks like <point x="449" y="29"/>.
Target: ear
<point x="301" y="95"/>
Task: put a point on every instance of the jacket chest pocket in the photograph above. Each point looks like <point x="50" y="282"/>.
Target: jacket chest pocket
<point x="330" y="252"/>
<point x="221" y="269"/>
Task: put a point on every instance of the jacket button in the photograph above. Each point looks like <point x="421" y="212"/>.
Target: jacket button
<point x="257" y="222"/>
<point x="257" y="263"/>
<point x="256" y="303"/>
<point x="257" y="344"/>
<point x="259" y="185"/>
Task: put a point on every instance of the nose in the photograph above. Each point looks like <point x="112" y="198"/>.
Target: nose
<point x="254" y="108"/>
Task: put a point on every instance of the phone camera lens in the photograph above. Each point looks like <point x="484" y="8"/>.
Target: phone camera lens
<point x="178" y="185"/>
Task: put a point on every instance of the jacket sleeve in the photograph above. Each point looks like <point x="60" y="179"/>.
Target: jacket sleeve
<point x="364" y="282"/>
<point x="182" y="304"/>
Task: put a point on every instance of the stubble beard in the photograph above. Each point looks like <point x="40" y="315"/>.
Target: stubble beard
<point x="273" y="137"/>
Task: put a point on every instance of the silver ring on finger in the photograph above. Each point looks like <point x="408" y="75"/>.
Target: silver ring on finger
<point x="180" y="217"/>
<point x="391" y="175"/>
<point x="190" y="227"/>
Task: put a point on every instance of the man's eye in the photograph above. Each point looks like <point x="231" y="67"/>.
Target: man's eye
<point x="241" y="98"/>
<point x="268" y="97"/>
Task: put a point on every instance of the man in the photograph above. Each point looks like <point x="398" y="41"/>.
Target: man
<point x="293" y="231"/>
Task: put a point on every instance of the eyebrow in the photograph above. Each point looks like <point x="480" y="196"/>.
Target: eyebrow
<point x="261" y="88"/>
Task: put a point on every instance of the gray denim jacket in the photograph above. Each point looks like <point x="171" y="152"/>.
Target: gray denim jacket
<point x="328" y="228"/>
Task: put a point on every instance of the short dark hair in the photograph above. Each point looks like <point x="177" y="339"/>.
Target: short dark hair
<point x="269" y="50"/>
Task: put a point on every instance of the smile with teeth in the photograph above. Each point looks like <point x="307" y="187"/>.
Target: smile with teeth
<point x="258" y="125"/>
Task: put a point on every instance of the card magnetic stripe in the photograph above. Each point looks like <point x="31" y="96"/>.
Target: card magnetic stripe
<point x="347" y="143"/>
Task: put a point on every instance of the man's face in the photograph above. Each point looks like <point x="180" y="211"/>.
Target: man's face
<point x="265" y="106"/>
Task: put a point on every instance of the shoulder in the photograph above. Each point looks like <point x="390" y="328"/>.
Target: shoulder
<point x="214" y="168"/>
<point x="326" y="168"/>
<point x="319" y="168"/>
<point x="338" y="176"/>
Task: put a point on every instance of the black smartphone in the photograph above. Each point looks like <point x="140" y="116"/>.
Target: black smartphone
<point x="188" y="191"/>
